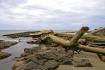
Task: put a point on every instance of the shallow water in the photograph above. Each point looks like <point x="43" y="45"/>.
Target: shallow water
<point x="15" y="50"/>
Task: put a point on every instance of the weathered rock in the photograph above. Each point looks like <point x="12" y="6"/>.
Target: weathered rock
<point x="17" y="64"/>
<point x="28" y="50"/>
<point x="6" y="44"/>
<point x="65" y="61"/>
<point x="47" y="55"/>
<point x="46" y="59"/>
<point x="50" y="65"/>
<point x="38" y="41"/>
<point x="31" y="66"/>
<point x="82" y="63"/>
<point x="4" y="55"/>
<point x="24" y="54"/>
<point x="37" y="61"/>
<point x="31" y="50"/>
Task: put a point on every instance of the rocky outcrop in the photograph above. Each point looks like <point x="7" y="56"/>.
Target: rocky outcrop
<point x="49" y="58"/>
<point x="3" y="45"/>
<point x="82" y="63"/>
<point x="6" y="44"/>
<point x="4" y="55"/>
<point x="44" y="59"/>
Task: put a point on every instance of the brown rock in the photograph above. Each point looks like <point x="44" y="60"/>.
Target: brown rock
<point x="17" y="64"/>
<point x="4" y="55"/>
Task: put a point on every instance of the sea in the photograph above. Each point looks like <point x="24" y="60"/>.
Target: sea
<point x="3" y="32"/>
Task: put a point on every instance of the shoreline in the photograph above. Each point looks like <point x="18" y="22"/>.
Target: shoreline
<point x="43" y="56"/>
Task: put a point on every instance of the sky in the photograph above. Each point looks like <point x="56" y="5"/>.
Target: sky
<point x="51" y="14"/>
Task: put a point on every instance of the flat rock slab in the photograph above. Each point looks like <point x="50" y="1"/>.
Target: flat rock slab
<point x="93" y="58"/>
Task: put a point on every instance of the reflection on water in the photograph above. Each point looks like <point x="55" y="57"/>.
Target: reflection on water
<point x="15" y="50"/>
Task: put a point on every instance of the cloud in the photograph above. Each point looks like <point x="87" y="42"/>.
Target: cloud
<point x="52" y="14"/>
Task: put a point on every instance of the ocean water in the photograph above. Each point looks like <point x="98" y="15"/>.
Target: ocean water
<point x="2" y="32"/>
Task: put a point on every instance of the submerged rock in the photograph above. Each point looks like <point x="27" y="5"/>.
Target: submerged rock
<point x="17" y="64"/>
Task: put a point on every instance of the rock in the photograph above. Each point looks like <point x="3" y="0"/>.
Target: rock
<point x="31" y="50"/>
<point x="47" y="55"/>
<point x="37" y="61"/>
<point x="28" y="50"/>
<point x="65" y="61"/>
<point x="50" y="65"/>
<point x="30" y="66"/>
<point x="70" y="54"/>
<point x="46" y="59"/>
<point x="6" y="44"/>
<point x="24" y="54"/>
<point x="82" y="63"/>
<point x="4" y="55"/>
<point x="43" y="47"/>
<point x="20" y="67"/>
<point x="17" y="64"/>
<point x="38" y="41"/>
<point x="20" y="59"/>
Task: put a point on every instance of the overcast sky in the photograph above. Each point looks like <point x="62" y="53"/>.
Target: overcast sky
<point x="51" y="14"/>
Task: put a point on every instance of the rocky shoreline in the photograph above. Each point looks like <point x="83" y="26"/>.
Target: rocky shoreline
<point x="4" y="55"/>
<point x="53" y="51"/>
<point x="43" y="58"/>
<point x="4" y="45"/>
<point x="50" y="56"/>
